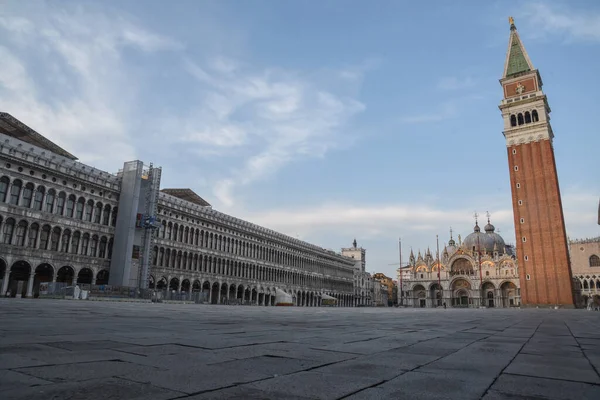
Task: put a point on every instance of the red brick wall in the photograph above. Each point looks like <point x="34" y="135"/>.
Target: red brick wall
<point x="544" y="228"/>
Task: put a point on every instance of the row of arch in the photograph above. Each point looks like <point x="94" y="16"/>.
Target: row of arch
<point x="524" y="118"/>
<point x="46" y="237"/>
<point x="23" y="271"/>
<point x="182" y="260"/>
<point x="27" y="195"/>
<point x="217" y="292"/>
<point x="206" y="239"/>
<point x="461" y="293"/>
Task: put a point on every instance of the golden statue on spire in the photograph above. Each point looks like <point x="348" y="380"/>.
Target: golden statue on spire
<point x="511" y="20"/>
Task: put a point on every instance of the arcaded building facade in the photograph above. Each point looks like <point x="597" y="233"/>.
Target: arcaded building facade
<point x="60" y="222"/>
<point x="480" y="271"/>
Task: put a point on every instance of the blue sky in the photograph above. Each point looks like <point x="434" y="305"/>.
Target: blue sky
<point x="323" y="120"/>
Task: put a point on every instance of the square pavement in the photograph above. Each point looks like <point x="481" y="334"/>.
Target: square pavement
<point x="61" y="349"/>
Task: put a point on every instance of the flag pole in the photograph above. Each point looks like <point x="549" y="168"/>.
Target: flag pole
<point x="401" y="285"/>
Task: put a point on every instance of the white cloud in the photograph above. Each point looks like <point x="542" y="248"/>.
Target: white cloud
<point x="63" y="75"/>
<point x="274" y="116"/>
<point x="552" y="20"/>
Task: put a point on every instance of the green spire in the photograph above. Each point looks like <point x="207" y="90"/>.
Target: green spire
<point x="517" y="62"/>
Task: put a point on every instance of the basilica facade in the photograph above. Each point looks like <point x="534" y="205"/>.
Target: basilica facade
<point x="480" y="271"/>
<point x="62" y="221"/>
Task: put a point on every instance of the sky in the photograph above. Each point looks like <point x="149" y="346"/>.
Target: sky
<point x="326" y="121"/>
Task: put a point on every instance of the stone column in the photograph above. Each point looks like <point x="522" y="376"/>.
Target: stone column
<point x="5" y="281"/>
<point x="30" y="285"/>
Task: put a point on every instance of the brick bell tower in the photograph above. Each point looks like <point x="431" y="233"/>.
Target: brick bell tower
<point x="542" y="247"/>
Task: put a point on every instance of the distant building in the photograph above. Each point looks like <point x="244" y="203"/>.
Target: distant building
<point x="363" y="287"/>
<point x="479" y="271"/>
<point x="389" y="285"/>
<point x="585" y="262"/>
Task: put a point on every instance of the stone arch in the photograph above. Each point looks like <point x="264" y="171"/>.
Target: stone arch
<point x="162" y="284"/>
<point x="151" y="282"/>
<point x="462" y="266"/>
<point x="185" y="285"/>
<point x="174" y="284"/>
<point x="508" y="290"/>
<point x="65" y="274"/>
<point x="19" y="278"/>
<point x="43" y="273"/>
<point x="85" y="276"/>
<point x="436" y="293"/>
<point x="102" y="277"/>
<point x="215" y="290"/>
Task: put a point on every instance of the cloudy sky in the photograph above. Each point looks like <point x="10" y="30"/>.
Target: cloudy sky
<point x="323" y="120"/>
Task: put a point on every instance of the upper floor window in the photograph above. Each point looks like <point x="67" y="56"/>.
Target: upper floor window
<point x="27" y="195"/>
<point x="70" y="206"/>
<point x="594" y="261"/>
<point x="9" y="227"/>
<point x="79" y="208"/>
<point x="50" y="200"/>
<point x="38" y="198"/>
<point x="4" y="182"/>
<point x="60" y="203"/>
<point x="15" y="191"/>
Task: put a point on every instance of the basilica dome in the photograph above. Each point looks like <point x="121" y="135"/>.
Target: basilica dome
<point x="488" y="242"/>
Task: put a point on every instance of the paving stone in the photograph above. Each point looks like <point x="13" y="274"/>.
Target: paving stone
<point x="529" y="387"/>
<point x="10" y="379"/>
<point x="316" y="385"/>
<point x="568" y="368"/>
<point x="85" y="371"/>
<point x="244" y="393"/>
<point x="96" y="389"/>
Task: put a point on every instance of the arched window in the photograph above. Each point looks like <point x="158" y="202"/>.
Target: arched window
<point x="594" y="261"/>
<point x="98" y="213"/>
<point x="169" y="229"/>
<point x="79" y="208"/>
<point x="9" y="227"/>
<point x="527" y="117"/>
<point x="110" y="247"/>
<point x="89" y="208"/>
<point x="38" y="198"/>
<point x="102" y="248"/>
<point x="66" y="238"/>
<point x="75" y="242"/>
<point x="520" y="119"/>
<point x="15" y="191"/>
<point x="54" y="239"/>
<point x="71" y="205"/>
<point x="27" y="195"/>
<point x="585" y="285"/>
<point x="45" y="237"/>
<point x="84" y="244"/>
<point x="50" y="200"/>
<point x="21" y="229"/>
<point x="60" y="203"/>
<point x="4" y="182"/>
<point x="94" y="246"/>
<point x="106" y="215"/>
<point x="33" y="232"/>
<point x="534" y="116"/>
<point x="113" y="221"/>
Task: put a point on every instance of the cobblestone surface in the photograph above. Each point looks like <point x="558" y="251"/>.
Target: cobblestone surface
<point x="59" y="349"/>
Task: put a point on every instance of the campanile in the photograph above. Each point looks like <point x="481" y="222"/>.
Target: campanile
<point x="542" y="248"/>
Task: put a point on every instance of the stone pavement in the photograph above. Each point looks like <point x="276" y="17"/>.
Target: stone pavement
<point x="60" y="349"/>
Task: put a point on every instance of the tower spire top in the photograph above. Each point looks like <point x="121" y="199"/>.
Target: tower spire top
<point x="517" y="59"/>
